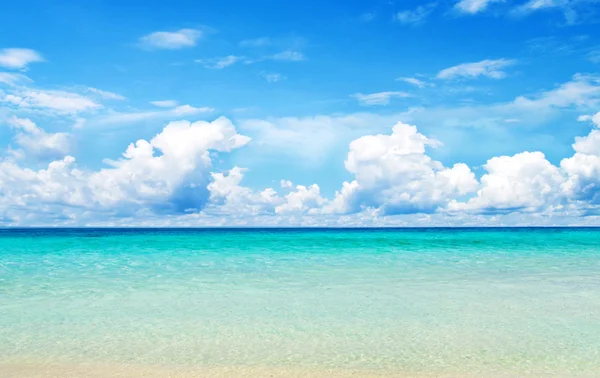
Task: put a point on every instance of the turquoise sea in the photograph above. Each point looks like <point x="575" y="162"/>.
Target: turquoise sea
<point x="431" y="302"/>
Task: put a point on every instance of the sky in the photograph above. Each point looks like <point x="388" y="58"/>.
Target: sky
<point x="313" y="113"/>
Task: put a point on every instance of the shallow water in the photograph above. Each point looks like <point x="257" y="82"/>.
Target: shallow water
<point x="430" y="301"/>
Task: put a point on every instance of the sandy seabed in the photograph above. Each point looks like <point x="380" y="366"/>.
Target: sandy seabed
<point x="138" y="371"/>
<point x="134" y="371"/>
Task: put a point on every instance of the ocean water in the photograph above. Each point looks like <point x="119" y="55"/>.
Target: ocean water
<point x="481" y="302"/>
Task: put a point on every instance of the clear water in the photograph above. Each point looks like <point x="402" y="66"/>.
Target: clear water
<point x="480" y="301"/>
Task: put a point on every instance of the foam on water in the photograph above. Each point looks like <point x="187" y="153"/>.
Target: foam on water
<point x="476" y="301"/>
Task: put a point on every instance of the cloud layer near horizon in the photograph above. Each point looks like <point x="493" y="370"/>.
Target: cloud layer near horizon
<point x="169" y="180"/>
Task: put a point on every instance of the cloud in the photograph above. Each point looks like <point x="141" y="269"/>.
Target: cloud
<point x="61" y="102"/>
<point x="165" y="103"/>
<point x="256" y="42"/>
<point x="220" y="63"/>
<point x="165" y="175"/>
<point x="415" y="16"/>
<point x="523" y="182"/>
<point x="228" y="197"/>
<point x="273" y="77"/>
<point x="582" y="90"/>
<point x="14" y="79"/>
<point x="168" y="180"/>
<point x="132" y="117"/>
<point x="291" y="56"/>
<point x="38" y="143"/>
<point x="488" y="68"/>
<point x="574" y="12"/>
<point x="416" y="82"/>
<point x="394" y="175"/>
<point x="303" y="200"/>
<point x="18" y="58"/>
<point x="380" y="98"/>
<point x="183" y="38"/>
<point x="105" y="94"/>
<point x="474" y="6"/>
<point x="583" y="168"/>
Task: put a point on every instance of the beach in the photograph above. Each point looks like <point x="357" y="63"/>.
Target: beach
<point x="300" y="303"/>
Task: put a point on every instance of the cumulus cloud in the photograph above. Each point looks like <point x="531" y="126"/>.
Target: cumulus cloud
<point x="583" y="168"/>
<point x="394" y="174"/>
<point x="229" y="197"/>
<point x="302" y="200"/>
<point x="167" y="174"/>
<point x="18" y="58"/>
<point x="493" y="69"/>
<point x="182" y="38"/>
<point x="37" y="142"/>
<point x="523" y="182"/>
<point x="380" y="98"/>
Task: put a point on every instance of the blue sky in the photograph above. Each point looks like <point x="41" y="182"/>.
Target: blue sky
<point x="306" y="113"/>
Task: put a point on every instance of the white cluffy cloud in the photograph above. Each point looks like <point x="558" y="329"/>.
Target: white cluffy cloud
<point x="488" y="68"/>
<point x="380" y="98"/>
<point x="167" y="174"/>
<point x="179" y="39"/>
<point x="37" y="142"/>
<point x="394" y="175"/>
<point x="230" y="198"/>
<point x="18" y="58"/>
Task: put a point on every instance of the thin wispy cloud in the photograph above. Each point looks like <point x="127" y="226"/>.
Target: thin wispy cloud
<point x="273" y="77"/>
<point x="13" y="79"/>
<point x="416" y="82"/>
<point x="171" y="40"/>
<point x="106" y="94"/>
<point x="14" y="58"/>
<point x="380" y="98"/>
<point x="165" y="103"/>
<point x="120" y="118"/>
<point x="220" y="63"/>
<point x="291" y="56"/>
<point x="474" y="6"/>
<point x="256" y="42"/>
<point x="415" y="16"/>
<point x="491" y="68"/>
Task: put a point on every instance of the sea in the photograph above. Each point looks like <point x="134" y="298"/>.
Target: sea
<point x="423" y="302"/>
